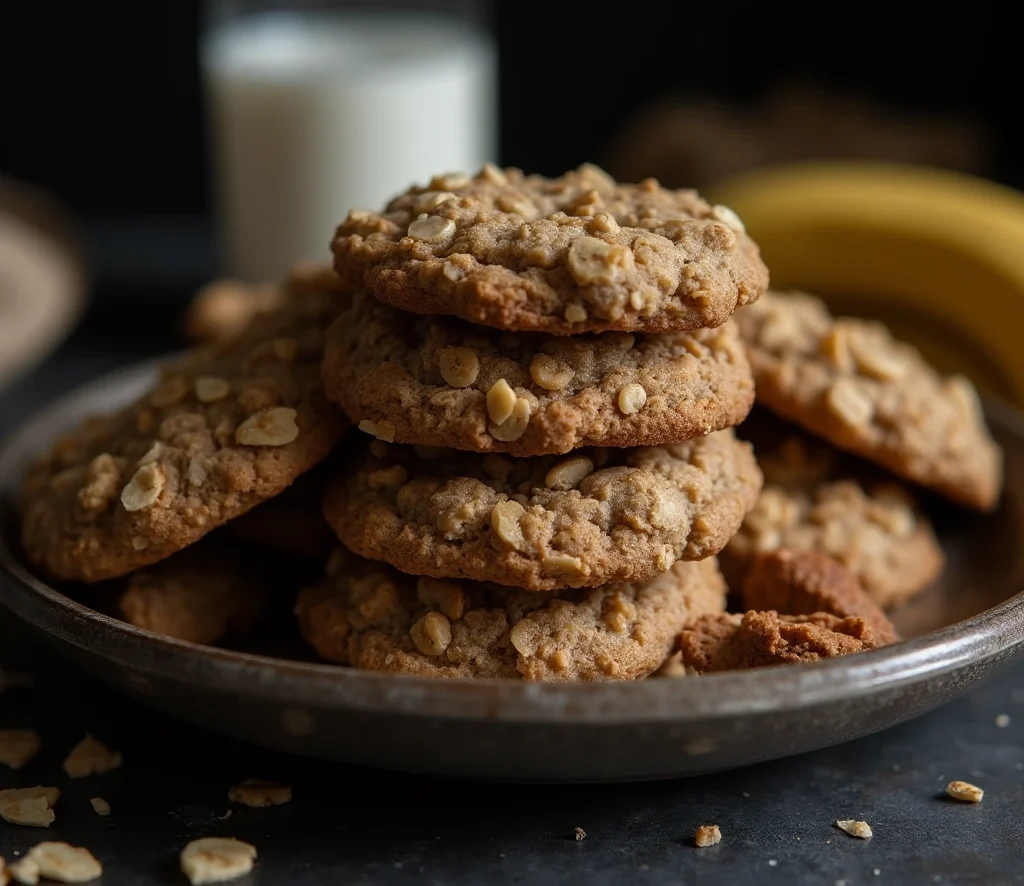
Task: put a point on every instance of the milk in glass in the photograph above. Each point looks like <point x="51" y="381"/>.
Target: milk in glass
<point x="316" y="113"/>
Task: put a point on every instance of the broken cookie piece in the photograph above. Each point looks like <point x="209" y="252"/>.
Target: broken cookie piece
<point x="91" y="757"/>
<point x="258" y="794"/>
<point x="733" y="641"/>
<point x="802" y="583"/>
<point x="216" y="860"/>
<point x="32" y="807"/>
<point x="18" y="747"/>
<point x="59" y="862"/>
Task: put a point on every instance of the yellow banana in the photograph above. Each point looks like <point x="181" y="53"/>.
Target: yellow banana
<point x="939" y="255"/>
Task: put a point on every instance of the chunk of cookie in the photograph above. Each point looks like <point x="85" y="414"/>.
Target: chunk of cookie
<point x="850" y="382"/>
<point x="729" y="642"/>
<point x="224" y="429"/>
<point x="374" y="617"/>
<point x="201" y="594"/>
<point x="597" y="516"/>
<point x="442" y="382"/>
<point x="874" y="528"/>
<point x="575" y="254"/>
<point x="802" y="583"/>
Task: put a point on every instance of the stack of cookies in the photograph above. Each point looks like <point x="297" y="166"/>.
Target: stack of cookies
<point x="513" y="399"/>
<point x="546" y="376"/>
<point x="838" y="535"/>
<point x="133" y="501"/>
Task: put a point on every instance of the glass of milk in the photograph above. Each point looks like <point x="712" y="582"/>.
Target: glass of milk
<point x="318" y="108"/>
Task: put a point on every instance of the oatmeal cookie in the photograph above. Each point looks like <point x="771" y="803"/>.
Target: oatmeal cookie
<point x="596" y="516"/>
<point x="200" y="594"/>
<point x="728" y="642"/>
<point x="442" y="382"/>
<point x="224" y="429"/>
<point x="809" y="503"/>
<point x="374" y="617"/>
<point x="802" y="583"/>
<point x="574" y="254"/>
<point x="850" y="382"/>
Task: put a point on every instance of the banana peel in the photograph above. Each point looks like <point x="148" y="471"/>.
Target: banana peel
<point x="938" y="255"/>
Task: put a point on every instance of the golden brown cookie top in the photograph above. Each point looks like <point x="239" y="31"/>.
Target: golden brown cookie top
<point x="756" y="639"/>
<point x="592" y="517"/>
<point x="440" y="381"/>
<point x="579" y="253"/>
<point x="371" y="616"/>
<point x="802" y="583"/>
<point x="224" y="428"/>
<point x="850" y="382"/>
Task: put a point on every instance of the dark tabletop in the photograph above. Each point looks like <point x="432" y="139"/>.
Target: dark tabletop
<point x="350" y="826"/>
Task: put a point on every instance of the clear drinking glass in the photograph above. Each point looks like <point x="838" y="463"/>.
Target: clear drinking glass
<point x="316" y="108"/>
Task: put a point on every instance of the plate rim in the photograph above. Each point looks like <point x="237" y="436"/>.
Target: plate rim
<point x="996" y="633"/>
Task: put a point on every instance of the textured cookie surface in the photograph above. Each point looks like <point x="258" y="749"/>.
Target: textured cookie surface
<point x="574" y="254"/>
<point x="802" y="583"/>
<point x="850" y="382"/>
<point x="874" y="528"/>
<point x="223" y="430"/>
<point x="374" y="617"/>
<point x="442" y="382"/>
<point x="596" y="516"/>
<point x="728" y="642"/>
<point x="200" y="594"/>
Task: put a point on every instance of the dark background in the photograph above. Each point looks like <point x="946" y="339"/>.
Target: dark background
<point x="102" y="102"/>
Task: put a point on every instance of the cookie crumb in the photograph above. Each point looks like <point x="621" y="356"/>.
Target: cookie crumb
<point x="216" y="860"/>
<point x="100" y="806"/>
<point x="580" y="834"/>
<point x="259" y="794"/>
<point x="91" y="757"/>
<point x="18" y="747"/>
<point x="708" y="835"/>
<point x="32" y="807"/>
<point x="964" y="791"/>
<point x="25" y="871"/>
<point x="720" y="642"/>
<point x="772" y="862"/>
<point x="1002" y="721"/>
<point x="859" y="829"/>
<point x="57" y="861"/>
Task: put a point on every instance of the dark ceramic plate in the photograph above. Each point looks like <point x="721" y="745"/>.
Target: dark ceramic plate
<point x="962" y="629"/>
